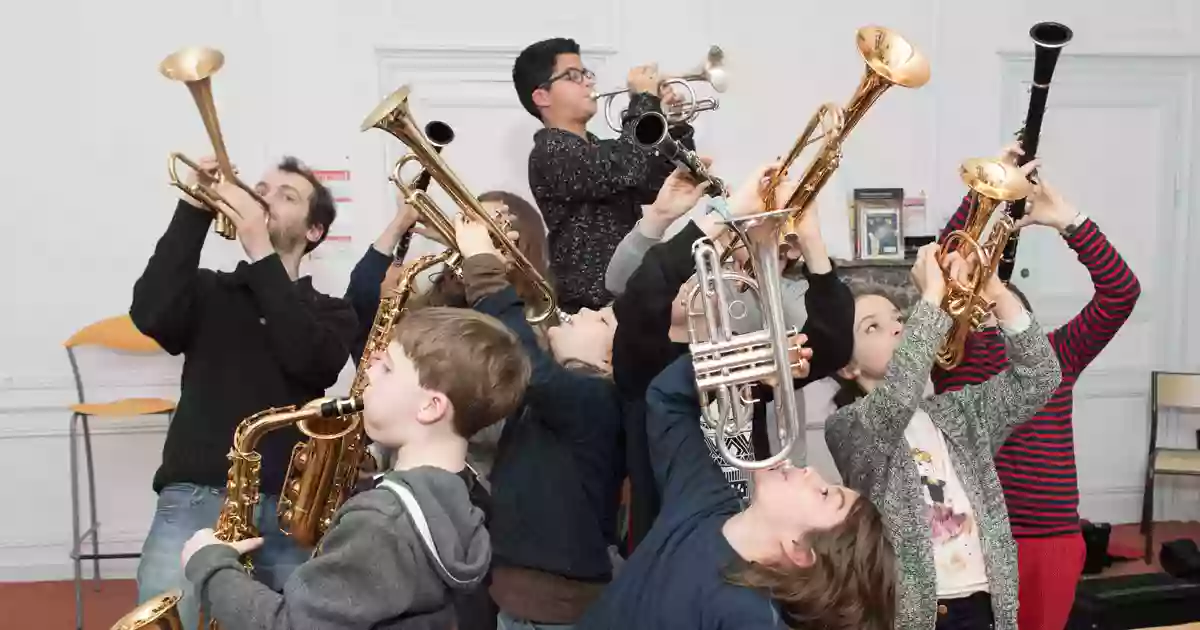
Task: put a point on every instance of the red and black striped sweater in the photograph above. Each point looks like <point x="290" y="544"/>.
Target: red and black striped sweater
<point x="1037" y="463"/>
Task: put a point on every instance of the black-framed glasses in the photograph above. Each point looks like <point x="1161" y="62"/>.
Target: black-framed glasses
<point x="574" y="75"/>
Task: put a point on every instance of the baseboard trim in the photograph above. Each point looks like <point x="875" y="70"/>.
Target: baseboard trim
<point x="65" y="572"/>
<point x="45" y="560"/>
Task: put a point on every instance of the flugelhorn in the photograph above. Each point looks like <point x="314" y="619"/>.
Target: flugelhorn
<point x="394" y="117"/>
<point x="195" y="67"/>
<point x="712" y="72"/>
<point x="728" y="364"/>
<point x="650" y="131"/>
<point x="890" y="60"/>
<point x="993" y="183"/>
<point x="1049" y="38"/>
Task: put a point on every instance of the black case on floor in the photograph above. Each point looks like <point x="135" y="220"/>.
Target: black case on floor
<point x="1134" y="601"/>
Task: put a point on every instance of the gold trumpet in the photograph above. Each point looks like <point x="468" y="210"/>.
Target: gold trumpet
<point x="195" y="67"/>
<point x="394" y="117"/>
<point x="712" y="72"/>
<point x="993" y="183"/>
<point x="890" y="60"/>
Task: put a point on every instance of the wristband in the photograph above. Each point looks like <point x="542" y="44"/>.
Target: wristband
<point x="719" y="207"/>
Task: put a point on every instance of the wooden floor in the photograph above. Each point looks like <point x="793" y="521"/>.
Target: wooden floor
<point x="51" y="605"/>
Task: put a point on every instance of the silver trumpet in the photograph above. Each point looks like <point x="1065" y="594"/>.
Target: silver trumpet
<point x="727" y="365"/>
<point x="712" y="72"/>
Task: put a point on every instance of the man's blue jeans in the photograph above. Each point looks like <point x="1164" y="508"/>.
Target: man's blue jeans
<point x="184" y="508"/>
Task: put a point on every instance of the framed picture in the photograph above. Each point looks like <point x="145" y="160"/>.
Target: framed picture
<point x="879" y="230"/>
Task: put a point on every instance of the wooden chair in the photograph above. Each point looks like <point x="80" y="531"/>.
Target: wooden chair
<point x="1168" y="390"/>
<point x="117" y="334"/>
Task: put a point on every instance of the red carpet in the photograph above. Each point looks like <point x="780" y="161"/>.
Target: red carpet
<point x="51" y="605"/>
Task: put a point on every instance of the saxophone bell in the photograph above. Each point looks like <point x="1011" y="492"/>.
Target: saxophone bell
<point x="160" y="612"/>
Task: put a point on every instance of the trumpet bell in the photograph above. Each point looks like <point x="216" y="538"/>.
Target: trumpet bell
<point x="995" y="179"/>
<point x="158" y="613"/>
<point x="393" y="107"/>
<point x="893" y="57"/>
<point x="192" y="64"/>
<point x="714" y="70"/>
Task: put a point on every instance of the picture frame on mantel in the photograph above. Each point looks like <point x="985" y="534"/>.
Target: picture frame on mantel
<point x="878" y="223"/>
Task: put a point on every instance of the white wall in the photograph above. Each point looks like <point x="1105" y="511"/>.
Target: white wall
<point x="88" y="123"/>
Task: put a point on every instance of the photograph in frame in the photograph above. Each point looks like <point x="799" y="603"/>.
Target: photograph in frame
<point x="879" y="225"/>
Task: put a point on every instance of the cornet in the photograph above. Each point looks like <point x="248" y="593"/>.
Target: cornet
<point x="993" y="183"/>
<point x="890" y="60"/>
<point x="195" y="67"/>
<point x="712" y="72"/>
<point x="727" y="365"/>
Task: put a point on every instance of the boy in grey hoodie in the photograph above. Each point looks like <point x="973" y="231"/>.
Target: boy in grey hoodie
<point x="394" y="553"/>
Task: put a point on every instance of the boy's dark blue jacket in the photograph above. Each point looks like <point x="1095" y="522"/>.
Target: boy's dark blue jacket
<point x="556" y="479"/>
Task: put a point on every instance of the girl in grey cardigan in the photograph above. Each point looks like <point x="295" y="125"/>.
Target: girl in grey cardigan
<point x="926" y="463"/>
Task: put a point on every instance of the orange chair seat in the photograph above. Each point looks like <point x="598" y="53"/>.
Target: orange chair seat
<point x="125" y="407"/>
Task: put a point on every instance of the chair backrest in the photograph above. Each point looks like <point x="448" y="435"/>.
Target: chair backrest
<point x="1175" y="390"/>
<point x="115" y="333"/>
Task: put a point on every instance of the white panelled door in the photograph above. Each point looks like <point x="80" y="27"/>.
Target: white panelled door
<point x="1112" y="142"/>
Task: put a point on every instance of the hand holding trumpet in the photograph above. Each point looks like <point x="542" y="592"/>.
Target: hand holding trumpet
<point x="243" y="208"/>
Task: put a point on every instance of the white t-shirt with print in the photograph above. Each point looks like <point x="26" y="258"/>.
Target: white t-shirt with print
<point x="957" y="551"/>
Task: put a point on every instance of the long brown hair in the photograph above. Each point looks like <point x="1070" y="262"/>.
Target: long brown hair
<point x="848" y="389"/>
<point x="851" y="585"/>
<point x="448" y="290"/>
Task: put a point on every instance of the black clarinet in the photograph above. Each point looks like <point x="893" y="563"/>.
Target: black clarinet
<point x="650" y="131"/>
<point x="1048" y="39"/>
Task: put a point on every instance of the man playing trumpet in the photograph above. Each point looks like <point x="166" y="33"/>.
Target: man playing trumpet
<point x="590" y="191"/>
<point x="258" y="337"/>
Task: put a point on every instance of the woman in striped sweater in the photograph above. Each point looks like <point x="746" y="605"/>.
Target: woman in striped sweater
<point x="1036" y="464"/>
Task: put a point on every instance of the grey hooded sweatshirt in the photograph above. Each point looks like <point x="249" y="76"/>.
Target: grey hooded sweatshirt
<point x="373" y="568"/>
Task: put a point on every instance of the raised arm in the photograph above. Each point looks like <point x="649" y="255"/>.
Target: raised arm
<point x="363" y="291"/>
<point x="829" y="303"/>
<point x="166" y="297"/>
<point x="1117" y="289"/>
<point x="641" y="346"/>
<point x="628" y="256"/>
<point x="683" y="468"/>
<point x="958" y="219"/>
<point x="1011" y="397"/>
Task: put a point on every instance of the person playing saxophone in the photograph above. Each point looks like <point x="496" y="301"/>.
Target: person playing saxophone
<point x="258" y="337"/>
<point x="396" y="553"/>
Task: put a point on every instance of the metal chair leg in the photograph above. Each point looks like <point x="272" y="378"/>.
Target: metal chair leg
<point x="75" y="526"/>
<point x="1148" y="515"/>
<point x="91" y="474"/>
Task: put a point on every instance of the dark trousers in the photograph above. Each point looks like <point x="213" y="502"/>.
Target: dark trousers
<point x="965" y="613"/>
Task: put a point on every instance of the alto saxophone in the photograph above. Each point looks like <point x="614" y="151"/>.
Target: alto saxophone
<point x="323" y="470"/>
<point x="236" y="521"/>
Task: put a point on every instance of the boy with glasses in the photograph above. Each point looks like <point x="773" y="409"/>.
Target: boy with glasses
<point x="590" y="191"/>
